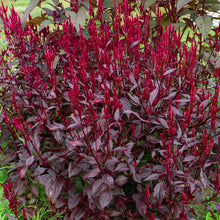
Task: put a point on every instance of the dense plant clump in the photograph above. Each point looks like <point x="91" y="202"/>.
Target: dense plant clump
<point x="118" y="120"/>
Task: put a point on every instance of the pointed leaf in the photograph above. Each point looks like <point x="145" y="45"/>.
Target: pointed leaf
<point x="181" y="3"/>
<point x="85" y="3"/>
<point x="36" y="139"/>
<point x="32" y="4"/>
<point x="45" y="23"/>
<point x="117" y="115"/>
<point x="121" y="167"/>
<point x="97" y="186"/>
<point x="105" y="199"/>
<point x="159" y="191"/>
<point x="54" y="65"/>
<point x="148" y="3"/>
<point x="73" y="201"/>
<point x="77" y="18"/>
<point x="152" y="177"/>
<point x="153" y="95"/>
<point x="53" y="187"/>
<point x="22" y="172"/>
<point x="96" y="144"/>
<point x="80" y="214"/>
<point x="203" y="178"/>
<point x="204" y="24"/>
<point x="36" y="20"/>
<point x="92" y="173"/>
<point x="39" y="171"/>
<point x="180" y="173"/>
<point x="11" y="217"/>
<point x="121" y="180"/>
<point x="29" y="161"/>
<point x="189" y="158"/>
<point x="73" y="170"/>
<point x="169" y="71"/>
<point x="35" y="190"/>
<point x="163" y="122"/>
<point x="135" y="43"/>
<point x="108" y="180"/>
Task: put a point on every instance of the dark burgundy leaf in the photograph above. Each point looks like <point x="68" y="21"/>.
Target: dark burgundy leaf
<point x="50" y="186"/>
<point x="203" y="178"/>
<point x="97" y="144"/>
<point x="110" y="163"/>
<point x="36" y="139"/>
<point x="153" y="95"/>
<point x="61" y="202"/>
<point x="84" y="132"/>
<point x="134" y="98"/>
<point x="117" y="115"/>
<point x="105" y="199"/>
<point x="198" y="195"/>
<point x="125" y="104"/>
<point x="79" y="214"/>
<point x="153" y="176"/>
<point x="121" y="167"/>
<point x="153" y="139"/>
<point x="169" y="71"/>
<point x="192" y="186"/>
<point x="108" y="180"/>
<point x="35" y="190"/>
<point x="176" y="111"/>
<point x="55" y="126"/>
<point x="140" y="205"/>
<point x="39" y="171"/>
<point x="182" y="100"/>
<point x="11" y="217"/>
<point x="97" y="186"/>
<point x="92" y="173"/>
<point x="170" y="96"/>
<point x="128" y="112"/>
<point x="134" y="44"/>
<point x="179" y="131"/>
<point x="29" y="161"/>
<point x="21" y="187"/>
<point x="67" y="217"/>
<point x="163" y="122"/>
<point x="22" y="172"/>
<point x="42" y="179"/>
<point x="58" y="187"/>
<point x="159" y="191"/>
<point x="121" y="180"/>
<point x="189" y="158"/>
<point x="73" y="170"/>
<point x="74" y="200"/>
<point x="204" y="103"/>
<point x="114" y="213"/>
<point x="180" y="173"/>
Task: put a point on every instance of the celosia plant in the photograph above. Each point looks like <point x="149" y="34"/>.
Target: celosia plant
<point x="123" y="124"/>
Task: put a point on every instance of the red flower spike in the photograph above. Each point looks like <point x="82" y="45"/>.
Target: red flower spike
<point x="147" y="193"/>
